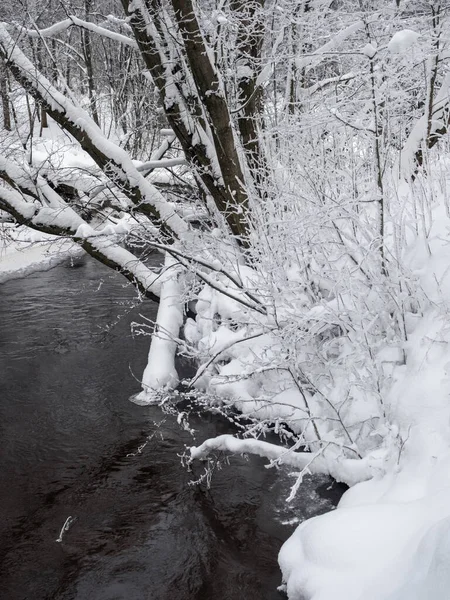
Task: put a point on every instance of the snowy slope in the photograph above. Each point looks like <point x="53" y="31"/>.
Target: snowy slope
<point x="389" y="539"/>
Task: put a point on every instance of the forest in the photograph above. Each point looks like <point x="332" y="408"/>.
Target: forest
<point x="288" y="162"/>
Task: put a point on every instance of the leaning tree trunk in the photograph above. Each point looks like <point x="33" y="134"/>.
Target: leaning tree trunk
<point x="213" y="153"/>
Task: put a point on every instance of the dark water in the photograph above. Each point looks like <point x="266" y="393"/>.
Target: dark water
<point x="72" y="445"/>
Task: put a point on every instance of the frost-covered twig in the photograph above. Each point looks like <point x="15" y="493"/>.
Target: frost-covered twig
<point x="305" y="471"/>
<point x="67" y="523"/>
<point x="343" y="469"/>
<point x="209" y="265"/>
<point x="205" y="366"/>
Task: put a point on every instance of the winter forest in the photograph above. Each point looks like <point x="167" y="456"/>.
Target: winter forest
<point x="275" y="176"/>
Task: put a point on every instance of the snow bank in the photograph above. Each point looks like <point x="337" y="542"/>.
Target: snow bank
<point x="368" y="551"/>
<point x="389" y="538"/>
<point x="24" y="251"/>
<point x="428" y="573"/>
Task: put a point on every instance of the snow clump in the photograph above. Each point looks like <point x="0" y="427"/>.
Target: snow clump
<point x="402" y="41"/>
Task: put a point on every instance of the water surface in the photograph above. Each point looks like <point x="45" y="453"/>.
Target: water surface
<point x="73" y="445"/>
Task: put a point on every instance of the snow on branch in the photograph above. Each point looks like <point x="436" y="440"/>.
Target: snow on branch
<point x="111" y="158"/>
<point x="343" y="469"/>
<point x="75" y="21"/>
<point x="312" y="60"/>
<point x="308" y="61"/>
<point x="410" y="155"/>
<point x="160" y="372"/>
<point x="330" y="81"/>
<point x="164" y="163"/>
<point x="38" y="206"/>
<point x="237" y="292"/>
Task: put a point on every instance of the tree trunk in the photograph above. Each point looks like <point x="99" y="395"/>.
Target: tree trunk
<point x="87" y="53"/>
<point x="213" y="99"/>
<point x="249" y="44"/>
<point x="186" y="115"/>
<point x="5" y="97"/>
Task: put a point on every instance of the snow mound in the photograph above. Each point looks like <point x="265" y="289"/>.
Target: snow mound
<point x="389" y="538"/>
<point x="429" y="575"/>
<point x="372" y="550"/>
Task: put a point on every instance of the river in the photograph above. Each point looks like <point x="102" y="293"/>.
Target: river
<point x="72" y="445"/>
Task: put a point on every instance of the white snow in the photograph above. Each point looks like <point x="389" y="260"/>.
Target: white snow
<point x="24" y="251"/>
<point x="244" y="72"/>
<point x="402" y="41"/>
<point x="221" y="19"/>
<point x="160" y="372"/>
<point x="369" y="50"/>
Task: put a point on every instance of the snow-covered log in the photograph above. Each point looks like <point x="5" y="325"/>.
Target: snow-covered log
<point x="160" y="372"/>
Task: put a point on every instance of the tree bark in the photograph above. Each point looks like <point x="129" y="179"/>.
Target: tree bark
<point x="5" y="97"/>
<point x="249" y="45"/>
<point x="87" y="53"/>
<point x="186" y="113"/>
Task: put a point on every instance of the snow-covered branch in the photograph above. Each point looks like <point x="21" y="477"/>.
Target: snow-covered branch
<point x="426" y="131"/>
<point x="112" y="159"/>
<point x="72" y="21"/>
<point x="160" y="372"/>
<point x="344" y="469"/>
<point x="163" y="163"/>
<point x="38" y="206"/>
<point x="312" y="60"/>
<point x="238" y="292"/>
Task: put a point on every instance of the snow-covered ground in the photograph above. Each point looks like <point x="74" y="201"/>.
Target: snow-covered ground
<point x="24" y="251"/>
<point x="389" y="538"/>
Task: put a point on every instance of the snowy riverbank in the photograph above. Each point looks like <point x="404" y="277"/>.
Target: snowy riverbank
<point x="389" y="537"/>
<point x="24" y="251"/>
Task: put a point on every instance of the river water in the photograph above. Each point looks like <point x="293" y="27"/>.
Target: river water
<point x="72" y="445"/>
